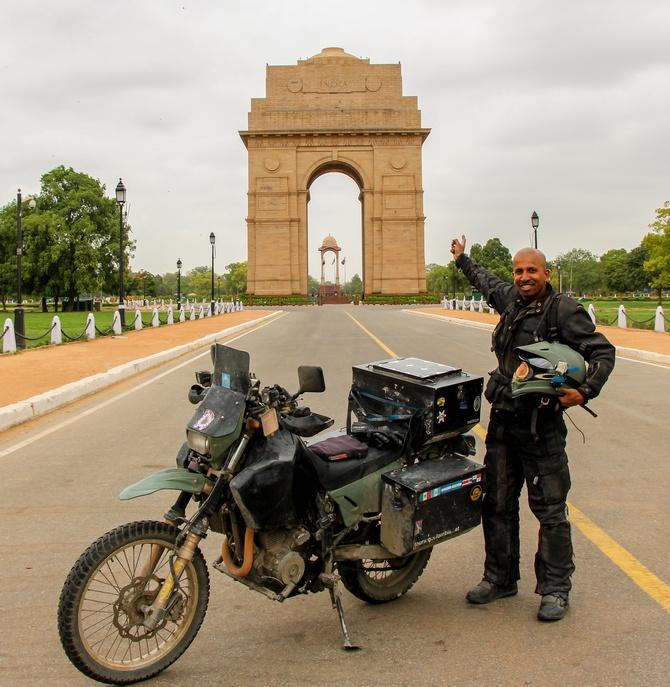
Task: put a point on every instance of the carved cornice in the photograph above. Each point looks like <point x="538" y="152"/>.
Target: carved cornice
<point x="333" y="138"/>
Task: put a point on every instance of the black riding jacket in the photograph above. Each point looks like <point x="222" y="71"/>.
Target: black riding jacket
<point x="523" y="323"/>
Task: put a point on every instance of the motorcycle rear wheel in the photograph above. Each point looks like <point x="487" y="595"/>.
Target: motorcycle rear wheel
<point x="100" y="608"/>
<point x="378" y="582"/>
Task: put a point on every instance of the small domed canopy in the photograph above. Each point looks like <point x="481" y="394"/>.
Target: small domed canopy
<point x="329" y="243"/>
<point x="332" y="52"/>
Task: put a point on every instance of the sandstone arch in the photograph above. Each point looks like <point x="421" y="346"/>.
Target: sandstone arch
<point x="335" y="113"/>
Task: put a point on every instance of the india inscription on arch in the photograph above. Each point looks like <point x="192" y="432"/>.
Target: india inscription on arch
<point x="335" y="113"/>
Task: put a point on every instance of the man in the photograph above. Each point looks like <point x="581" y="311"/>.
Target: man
<point x="526" y="437"/>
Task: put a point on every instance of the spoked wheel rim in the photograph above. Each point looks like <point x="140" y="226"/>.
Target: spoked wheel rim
<point x="111" y="609"/>
<point x="382" y="572"/>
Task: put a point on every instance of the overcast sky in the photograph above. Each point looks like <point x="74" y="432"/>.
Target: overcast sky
<point x="558" y="107"/>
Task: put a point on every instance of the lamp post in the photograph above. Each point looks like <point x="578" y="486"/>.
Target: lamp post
<point x="560" y="277"/>
<point x="121" y="200"/>
<point x="218" y="288"/>
<point x="212" y="240"/>
<point x="535" y="222"/>
<point x="178" y="283"/>
<point x="19" y="315"/>
<point x="144" y="288"/>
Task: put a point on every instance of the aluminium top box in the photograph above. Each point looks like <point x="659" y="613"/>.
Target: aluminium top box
<point x="393" y="389"/>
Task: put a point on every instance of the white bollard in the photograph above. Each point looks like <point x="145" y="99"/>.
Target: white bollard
<point x="481" y="305"/>
<point x="138" y="320"/>
<point x="182" y="314"/>
<point x="201" y="312"/>
<point x="192" y="316"/>
<point x="472" y="305"/>
<point x="491" y="310"/>
<point x="116" y="323"/>
<point x="8" y="337"/>
<point x="170" y="317"/>
<point x="241" y="306"/>
<point x="155" y="322"/>
<point x="90" y="326"/>
<point x="622" y="317"/>
<point x="592" y="313"/>
<point x="57" y="332"/>
<point x="659" y="323"/>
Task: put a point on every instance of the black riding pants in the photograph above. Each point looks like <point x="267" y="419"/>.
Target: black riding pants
<point x="514" y="454"/>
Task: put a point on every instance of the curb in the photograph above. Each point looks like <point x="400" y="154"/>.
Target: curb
<point x="36" y="406"/>
<point x="632" y="353"/>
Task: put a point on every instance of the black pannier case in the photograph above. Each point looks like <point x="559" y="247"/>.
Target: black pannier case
<point x="448" y="398"/>
<point x="428" y="502"/>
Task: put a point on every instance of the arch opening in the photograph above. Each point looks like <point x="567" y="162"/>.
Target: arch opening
<point x="334" y="217"/>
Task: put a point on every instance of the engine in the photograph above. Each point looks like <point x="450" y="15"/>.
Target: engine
<point x="278" y="556"/>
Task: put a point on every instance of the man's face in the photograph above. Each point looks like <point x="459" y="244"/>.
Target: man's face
<point x="530" y="274"/>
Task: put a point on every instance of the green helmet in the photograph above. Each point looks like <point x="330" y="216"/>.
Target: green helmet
<point x="545" y="367"/>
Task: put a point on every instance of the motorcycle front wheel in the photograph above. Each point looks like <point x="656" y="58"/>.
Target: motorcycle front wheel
<point x="384" y="580"/>
<point x="102" y="604"/>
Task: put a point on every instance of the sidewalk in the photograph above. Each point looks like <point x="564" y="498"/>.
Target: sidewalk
<point x="39" y="380"/>
<point x="636" y="343"/>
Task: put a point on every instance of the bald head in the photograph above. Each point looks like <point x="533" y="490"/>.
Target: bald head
<point x="530" y="273"/>
<point x="532" y="253"/>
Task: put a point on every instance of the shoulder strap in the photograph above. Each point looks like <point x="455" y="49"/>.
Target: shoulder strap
<point x="550" y="315"/>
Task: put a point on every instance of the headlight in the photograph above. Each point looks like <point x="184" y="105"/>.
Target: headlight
<point x="197" y="442"/>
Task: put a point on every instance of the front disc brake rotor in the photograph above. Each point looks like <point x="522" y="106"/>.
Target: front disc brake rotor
<point x="129" y="608"/>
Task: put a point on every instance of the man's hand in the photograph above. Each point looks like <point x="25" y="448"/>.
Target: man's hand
<point x="458" y="247"/>
<point x="570" y="397"/>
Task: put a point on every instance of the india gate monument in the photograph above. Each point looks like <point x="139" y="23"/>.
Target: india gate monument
<point x="335" y="113"/>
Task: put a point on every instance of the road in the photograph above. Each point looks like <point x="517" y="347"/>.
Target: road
<point x="61" y="475"/>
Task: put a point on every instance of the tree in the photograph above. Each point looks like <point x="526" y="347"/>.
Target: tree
<point x="445" y="279"/>
<point x="312" y="284"/>
<point x="355" y="286"/>
<point x="199" y="281"/>
<point x="639" y="279"/>
<point x="615" y="270"/>
<point x="495" y="257"/>
<point x="657" y="245"/>
<point x="235" y="278"/>
<point x="72" y="238"/>
<point x="7" y="253"/>
<point x="581" y="271"/>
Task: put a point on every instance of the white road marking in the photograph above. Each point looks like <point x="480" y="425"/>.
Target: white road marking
<point x="65" y="423"/>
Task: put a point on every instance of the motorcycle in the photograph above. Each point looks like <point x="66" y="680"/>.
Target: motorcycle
<point x="359" y="509"/>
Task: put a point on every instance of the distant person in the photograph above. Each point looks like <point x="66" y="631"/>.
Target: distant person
<point x="525" y="440"/>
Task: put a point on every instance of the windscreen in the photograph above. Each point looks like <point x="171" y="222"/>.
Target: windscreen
<point x="231" y="368"/>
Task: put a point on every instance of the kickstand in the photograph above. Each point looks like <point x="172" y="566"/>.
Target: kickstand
<point x="337" y="604"/>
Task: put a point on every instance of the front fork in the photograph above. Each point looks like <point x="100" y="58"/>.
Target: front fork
<point x="154" y="614"/>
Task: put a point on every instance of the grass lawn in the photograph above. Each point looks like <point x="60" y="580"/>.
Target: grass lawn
<point x="640" y="313"/>
<point x="38" y="324"/>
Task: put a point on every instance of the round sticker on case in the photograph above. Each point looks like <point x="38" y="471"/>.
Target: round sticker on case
<point x="477" y="403"/>
<point x="475" y="493"/>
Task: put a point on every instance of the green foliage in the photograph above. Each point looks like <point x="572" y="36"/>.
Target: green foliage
<point x="615" y="269"/>
<point x="235" y="278"/>
<point x="581" y="271"/>
<point x="401" y="299"/>
<point x="71" y="238"/>
<point x="495" y="257"/>
<point x="312" y="284"/>
<point x="277" y="300"/>
<point x="657" y="245"/>
<point x="7" y="253"/>
<point x="355" y="286"/>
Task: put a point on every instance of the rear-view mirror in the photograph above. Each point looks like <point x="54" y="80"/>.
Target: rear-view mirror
<point x="310" y="379"/>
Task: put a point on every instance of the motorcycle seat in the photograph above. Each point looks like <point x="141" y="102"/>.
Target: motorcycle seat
<point x="338" y="473"/>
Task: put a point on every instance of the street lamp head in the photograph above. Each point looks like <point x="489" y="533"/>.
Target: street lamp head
<point x="32" y="203"/>
<point x="120" y="193"/>
<point x="535" y="220"/>
<point x="212" y="238"/>
<point x="179" y="264"/>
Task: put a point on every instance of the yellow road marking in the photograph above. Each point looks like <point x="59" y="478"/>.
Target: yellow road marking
<point x="658" y="590"/>
<point x="380" y="343"/>
<point x="649" y="583"/>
